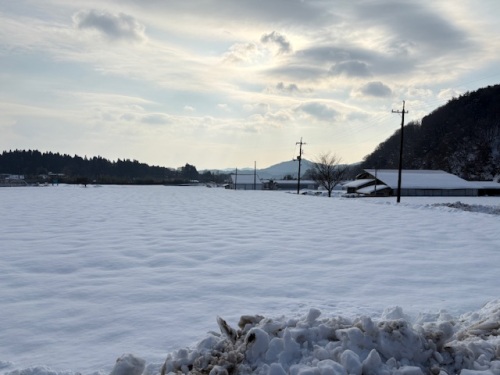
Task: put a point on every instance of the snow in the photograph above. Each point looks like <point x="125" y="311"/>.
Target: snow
<point x="358" y="183"/>
<point x="372" y="189"/>
<point x="421" y="179"/>
<point x="258" y="282"/>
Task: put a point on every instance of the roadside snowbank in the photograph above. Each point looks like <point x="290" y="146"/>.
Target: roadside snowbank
<point x="433" y="344"/>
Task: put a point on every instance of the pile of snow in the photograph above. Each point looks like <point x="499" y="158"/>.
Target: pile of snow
<point x="470" y="207"/>
<point x="435" y="344"/>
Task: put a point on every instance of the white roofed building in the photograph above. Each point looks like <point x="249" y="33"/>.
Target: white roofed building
<point x="354" y="186"/>
<point x="416" y="183"/>
<point x="241" y="181"/>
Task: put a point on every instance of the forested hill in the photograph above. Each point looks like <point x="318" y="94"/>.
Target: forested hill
<point x="35" y="165"/>
<point x="462" y="137"/>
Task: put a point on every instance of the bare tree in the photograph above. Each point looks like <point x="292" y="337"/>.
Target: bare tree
<point x="328" y="172"/>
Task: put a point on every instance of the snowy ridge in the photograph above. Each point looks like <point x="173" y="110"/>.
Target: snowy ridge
<point x="470" y="207"/>
<point x="466" y="204"/>
<point x="392" y="345"/>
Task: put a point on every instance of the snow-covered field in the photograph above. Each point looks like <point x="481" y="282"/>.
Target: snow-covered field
<point x="344" y="285"/>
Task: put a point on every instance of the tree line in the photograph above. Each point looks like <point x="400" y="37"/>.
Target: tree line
<point x="36" y="166"/>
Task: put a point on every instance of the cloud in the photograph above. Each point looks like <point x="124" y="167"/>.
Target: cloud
<point x="127" y="117"/>
<point x="350" y="69"/>
<point x="416" y="23"/>
<point x="258" y="108"/>
<point x="448" y="94"/>
<point x="296" y="72"/>
<point x="278" y="39"/>
<point x="319" y="111"/>
<point x="354" y="61"/>
<point x="376" y="89"/>
<point x="278" y="118"/>
<point x="238" y="13"/>
<point x="224" y="107"/>
<point x="334" y="54"/>
<point x="242" y="52"/>
<point x="290" y="88"/>
<point x="279" y="54"/>
<point x="156" y="119"/>
<point x="114" y="26"/>
<point x="251" y="52"/>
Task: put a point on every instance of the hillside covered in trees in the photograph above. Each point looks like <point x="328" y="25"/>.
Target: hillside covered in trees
<point x="37" y="166"/>
<point x="462" y="137"/>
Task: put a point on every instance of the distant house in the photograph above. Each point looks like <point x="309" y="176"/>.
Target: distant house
<point x="291" y="185"/>
<point x="245" y="182"/>
<point x="12" y="180"/>
<point x="357" y="184"/>
<point x="384" y="182"/>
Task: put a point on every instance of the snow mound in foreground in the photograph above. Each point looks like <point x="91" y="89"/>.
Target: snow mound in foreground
<point x="433" y="344"/>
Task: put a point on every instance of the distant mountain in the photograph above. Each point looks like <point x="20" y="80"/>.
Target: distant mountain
<point x="462" y="137"/>
<point x="286" y="168"/>
<point x="277" y="171"/>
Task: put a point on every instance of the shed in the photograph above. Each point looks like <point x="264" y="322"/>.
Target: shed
<point x="245" y="182"/>
<point x="354" y="186"/>
<point x="292" y="185"/>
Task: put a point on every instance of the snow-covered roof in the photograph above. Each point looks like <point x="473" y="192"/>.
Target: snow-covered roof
<point x="421" y="179"/>
<point x="371" y="189"/>
<point x="294" y="182"/>
<point x="357" y="183"/>
<point x="487" y="184"/>
<point x="246" y="179"/>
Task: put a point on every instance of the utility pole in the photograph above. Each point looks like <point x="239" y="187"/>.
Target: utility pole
<point x="299" y="158"/>
<point x="402" y="112"/>
<point x="255" y="175"/>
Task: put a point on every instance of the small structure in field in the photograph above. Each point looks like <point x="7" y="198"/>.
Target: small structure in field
<point x="242" y="181"/>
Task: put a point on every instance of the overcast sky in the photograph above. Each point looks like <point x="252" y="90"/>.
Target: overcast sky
<point x="226" y="83"/>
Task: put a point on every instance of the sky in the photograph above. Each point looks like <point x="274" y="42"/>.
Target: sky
<point x="224" y="84"/>
<point x="90" y="274"/>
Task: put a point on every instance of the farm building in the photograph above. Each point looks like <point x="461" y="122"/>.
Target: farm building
<point x="384" y="182"/>
<point x="245" y="182"/>
<point x="488" y="187"/>
<point x="12" y="180"/>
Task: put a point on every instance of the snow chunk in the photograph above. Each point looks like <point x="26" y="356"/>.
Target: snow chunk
<point x="128" y="364"/>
